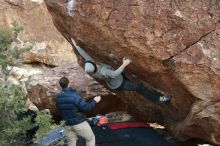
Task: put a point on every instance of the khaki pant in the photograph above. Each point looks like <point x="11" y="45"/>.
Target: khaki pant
<point x="82" y="129"/>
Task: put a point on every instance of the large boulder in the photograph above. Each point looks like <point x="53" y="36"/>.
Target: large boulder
<point x="174" y="48"/>
<point x="44" y="39"/>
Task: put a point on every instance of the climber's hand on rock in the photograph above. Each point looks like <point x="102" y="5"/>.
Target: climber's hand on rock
<point x="97" y="99"/>
<point x="74" y="42"/>
<point x="126" y="61"/>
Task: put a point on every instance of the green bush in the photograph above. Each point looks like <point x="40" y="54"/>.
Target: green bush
<point x="13" y="97"/>
<point x="7" y="37"/>
<point x="44" y="121"/>
<point x="12" y="101"/>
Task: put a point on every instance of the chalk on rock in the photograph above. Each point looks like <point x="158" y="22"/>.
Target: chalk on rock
<point x="70" y="6"/>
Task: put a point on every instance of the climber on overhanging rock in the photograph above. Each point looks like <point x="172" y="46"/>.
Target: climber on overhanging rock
<point x="115" y="79"/>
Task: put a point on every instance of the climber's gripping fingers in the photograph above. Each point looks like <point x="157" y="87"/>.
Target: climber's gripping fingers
<point x="126" y="61"/>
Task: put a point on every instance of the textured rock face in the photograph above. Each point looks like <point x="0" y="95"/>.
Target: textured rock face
<point x="174" y="46"/>
<point x="203" y="121"/>
<point x="198" y="67"/>
<point x="42" y="89"/>
<point x="39" y="30"/>
<point x="20" y="74"/>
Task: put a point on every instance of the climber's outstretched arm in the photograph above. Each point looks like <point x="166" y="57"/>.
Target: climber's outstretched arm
<point x="117" y="72"/>
<point x="82" y="52"/>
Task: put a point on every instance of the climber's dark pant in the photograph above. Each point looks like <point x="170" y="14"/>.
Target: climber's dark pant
<point x="138" y="87"/>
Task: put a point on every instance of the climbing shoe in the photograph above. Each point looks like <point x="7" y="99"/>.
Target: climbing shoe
<point x="164" y="98"/>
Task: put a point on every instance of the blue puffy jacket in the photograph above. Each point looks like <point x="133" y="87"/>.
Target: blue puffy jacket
<point x="72" y="106"/>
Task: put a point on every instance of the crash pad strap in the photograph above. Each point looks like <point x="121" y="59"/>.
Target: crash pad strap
<point x="128" y="125"/>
